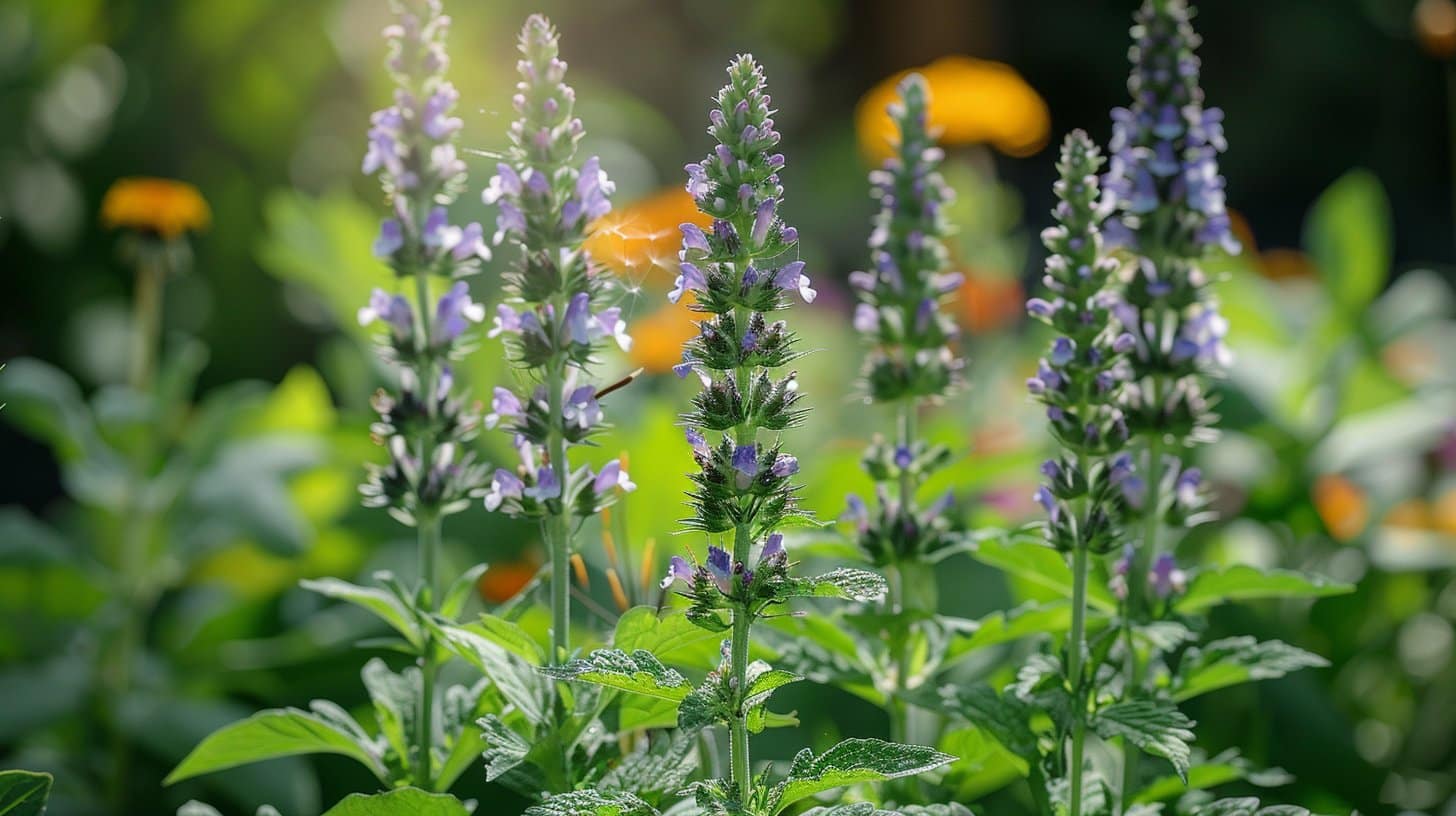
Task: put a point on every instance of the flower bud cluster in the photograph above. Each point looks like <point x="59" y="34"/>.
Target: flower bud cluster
<point x="899" y="312"/>
<point x="411" y="148"/>
<point x="1080" y="380"/>
<point x="1169" y="212"/>
<point x="738" y="274"/>
<point x="556" y="322"/>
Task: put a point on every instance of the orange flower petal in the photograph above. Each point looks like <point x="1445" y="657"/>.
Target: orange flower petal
<point x="1342" y="506"/>
<point x="165" y="207"/>
<point x="640" y="241"/>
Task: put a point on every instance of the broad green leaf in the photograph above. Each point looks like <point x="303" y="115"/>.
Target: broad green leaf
<point x="1237" y="660"/>
<point x="504" y="748"/>
<point x="1004" y="717"/>
<point x="851" y="809"/>
<point x="24" y="793"/>
<point x="946" y="809"/>
<point x="1348" y="235"/>
<point x="1244" y="583"/>
<point x="1005" y="626"/>
<point x="192" y="807"/>
<point x="401" y="802"/>
<point x="1227" y="767"/>
<point x="673" y="638"/>
<point x="509" y="636"/>
<point x="1157" y="727"/>
<point x="846" y="582"/>
<point x="762" y="684"/>
<point x="639" y="672"/>
<point x="711" y="703"/>
<point x="381" y="602"/>
<point x="1041" y="565"/>
<point x="849" y="763"/>
<point x="516" y="680"/>
<point x="396" y="700"/>
<point x="659" y="768"/>
<point x="1246" y="806"/>
<point x="275" y="733"/>
<point x="459" y="711"/>
<point x="592" y="803"/>
<point x="460" y="591"/>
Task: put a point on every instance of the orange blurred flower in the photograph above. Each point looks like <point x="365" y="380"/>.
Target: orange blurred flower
<point x="1284" y="264"/>
<point x="502" y="582"/>
<point x="1342" y="506"/>
<point x="162" y="206"/>
<point x="1411" y="513"/>
<point x="1443" y="512"/>
<point x="972" y="101"/>
<point x="641" y="240"/>
<point x="657" y="339"/>
<point x="988" y="303"/>
<point x="1434" y="22"/>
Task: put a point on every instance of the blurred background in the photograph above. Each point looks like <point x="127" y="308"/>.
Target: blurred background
<point x="1339" y="454"/>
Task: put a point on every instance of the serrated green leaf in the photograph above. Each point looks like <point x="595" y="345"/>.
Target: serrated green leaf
<point x="939" y="809"/>
<point x="1246" y="806"/>
<point x="708" y="704"/>
<point x="673" y="638"/>
<point x="1004" y="717"/>
<point x="460" y="590"/>
<point x="1226" y="767"/>
<point x="1348" y="236"/>
<point x="849" y="763"/>
<point x="517" y="680"/>
<point x="504" y="748"/>
<point x="845" y="582"/>
<point x="1235" y="660"/>
<point x="763" y="683"/>
<point x="1005" y="626"/>
<point x="658" y="768"/>
<point x="1156" y="727"/>
<point x="401" y="802"/>
<point x="1243" y="583"/>
<point x="1035" y="562"/>
<point x="395" y="698"/>
<point x="509" y="636"/>
<point x="850" y="809"/>
<point x="24" y="793"/>
<point x="593" y="803"/>
<point x="383" y="604"/>
<point x="270" y="734"/>
<point x="639" y="672"/>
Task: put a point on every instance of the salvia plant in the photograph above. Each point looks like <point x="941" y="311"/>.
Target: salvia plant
<point x="910" y="364"/>
<point x="424" y="735"/>
<point x="662" y="717"/>
<point x="739" y="274"/>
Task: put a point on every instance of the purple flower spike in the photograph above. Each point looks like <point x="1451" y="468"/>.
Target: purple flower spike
<point x="903" y="457"/>
<point x="857" y="512"/>
<point x="454" y="314"/>
<point x="546" y="487"/>
<point x="720" y="569"/>
<point x="745" y="461"/>
<point x="1048" y="502"/>
<point x="773" y="548"/>
<point x="1166" y="578"/>
<point x="690" y="278"/>
<point x="504" y="404"/>
<point x="785" y="466"/>
<point x="762" y="220"/>
<point x="504" y="485"/>
<point x="390" y="240"/>
<point x="1063" y="350"/>
<point x="582" y="409"/>
<point x="612" y="475"/>
<point x="578" y="315"/>
<point x="694" y="239"/>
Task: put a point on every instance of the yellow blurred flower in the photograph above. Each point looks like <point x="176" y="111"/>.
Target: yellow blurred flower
<point x="1342" y="506"/>
<point x="657" y="339"/>
<point x="972" y="101"/>
<point x="640" y="241"/>
<point x="1443" y="512"/>
<point x="1414" y="514"/>
<point x="162" y="206"/>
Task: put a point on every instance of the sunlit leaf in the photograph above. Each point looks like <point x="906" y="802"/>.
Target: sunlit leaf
<point x="849" y="763"/>
<point x="274" y="733"/>
<point x="401" y="802"/>
<point x="1235" y="660"/>
<point x="1241" y="582"/>
<point x="1158" y="728"/>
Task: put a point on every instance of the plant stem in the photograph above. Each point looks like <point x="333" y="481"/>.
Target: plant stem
<point x="1136" y="588"/>
<point x="428" y="533"/>
<point x="906" y="422"/>
<point x="555" y="529"/>
<point x="146" y="320"/>
<point x="744" y="434"/>
<point x="1074" y="670"/>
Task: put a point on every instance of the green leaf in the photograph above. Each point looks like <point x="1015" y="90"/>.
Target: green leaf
<point x="639" y="672"/>
<point x="382" y="603"/>
<point x="24" y="793"/>
<point x="1227" y="767"/>
<point x="401" y="802"/>
<point x="460" y="591"/>
<point x="709" y="704"/>
<point x="849" y="763"/>
<point x="1004" y="717"/>
<point x="946" y="809"/>
<point x="850" y="809"/>
<point x="846" y="582"/>
<point x="509" y="636"/>
<point x="396" y="700"/>
<point x="465" y="743"/>
<point x="517" y="680"/>
<point x="673" y="638"/>
<point x="1246" y="806"/>
<point x="1157" y="727"/>
<point x="661" y="767"/>
<point x="277" y="733"/>
<point x="592" y="803"/>
<point x="1039" y="564"/>
<point x="1005" y="626"/>
<point x="504" y="748"/>
<point x="1348" y="236"/>
<point x="1244" y="583"/>
<point x="1237" y="660"/>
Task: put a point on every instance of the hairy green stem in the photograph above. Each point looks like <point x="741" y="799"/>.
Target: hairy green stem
<point x="146" y="321"/>
<point x="1136" y="593"/>
<point x="744" y="434"/>
<point x="1074" y="671"/>
<point x="427" y="534"/>
<point x="555" y="528"/>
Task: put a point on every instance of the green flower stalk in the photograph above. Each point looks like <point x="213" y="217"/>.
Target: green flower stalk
<point x="1080" y="381"/>
<point x="556" y="322"/>
<point x="1169" y="214"/>
<point x="910" y="364"/>
<point x="423" y="422"/>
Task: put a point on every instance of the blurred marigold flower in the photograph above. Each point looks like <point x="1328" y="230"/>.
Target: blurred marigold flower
<point x="161" y="206"/>
<point x="1434" y="22"/>
<point x="641" y="240"/>
<point x="660" y="336"/>
<point x="973" y="101"/>
<point x="1342" y="506"/>
<point x="503" y="582"/>
<point x="1414" y="514"/>
<point x="989" y="302"/>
